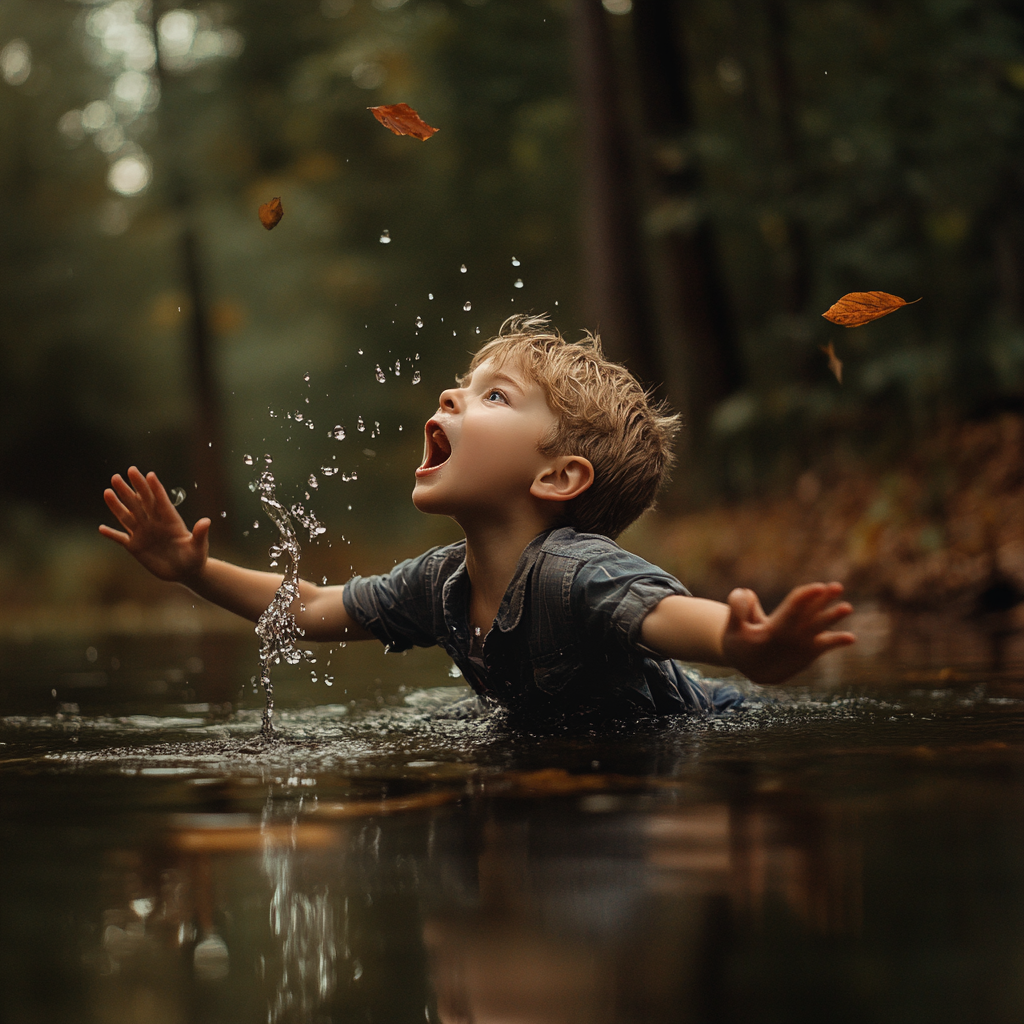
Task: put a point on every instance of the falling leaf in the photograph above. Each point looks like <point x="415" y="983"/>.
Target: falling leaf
<point x="271" y="213"/>
<point x="403" y="120"/>
<point x="834" y="362"/>
<point x="861" y="307"/>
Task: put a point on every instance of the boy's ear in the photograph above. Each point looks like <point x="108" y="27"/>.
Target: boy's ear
<point x="565" y="478"/>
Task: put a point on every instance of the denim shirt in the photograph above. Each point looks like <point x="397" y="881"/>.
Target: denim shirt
<point x="567" y="635"/>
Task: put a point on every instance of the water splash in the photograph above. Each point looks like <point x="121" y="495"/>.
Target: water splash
<point x="360" y="425"/>
<point x="379" y="374"/>
<point x="338" y="433"/>
<point x="277" y="629"/>
<point x="418" y="321"/>
<point x="416" y="377"/>
<point x="247" y="459"/>
<point x="177" y="495"/>
<point x="398" y="367"/>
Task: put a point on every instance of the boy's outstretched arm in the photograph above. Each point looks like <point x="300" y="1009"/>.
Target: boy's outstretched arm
<point x="157" y="536"/>
<point x="765" y="648"/>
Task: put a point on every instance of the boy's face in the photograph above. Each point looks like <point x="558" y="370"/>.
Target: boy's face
<point x="481" y="452"/>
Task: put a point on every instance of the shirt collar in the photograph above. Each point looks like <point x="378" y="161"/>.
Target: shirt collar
<point x="455" y="593"/>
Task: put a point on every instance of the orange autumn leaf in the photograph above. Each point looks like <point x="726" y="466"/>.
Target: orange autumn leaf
<point x="403" y="120"/>
<point x="834" y="362"/>
<point x="271" y="213"/>
<point x="862" y="307"/>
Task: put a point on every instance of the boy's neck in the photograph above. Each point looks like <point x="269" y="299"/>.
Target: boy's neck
<point x="492" y="554"/>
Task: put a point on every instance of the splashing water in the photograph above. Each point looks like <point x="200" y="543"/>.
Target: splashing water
<point x="177" y="495"/>
<point x="398" y="367"/>
<point x="360" y="425"/>
<point x="416" y="377"/>
<point x="247" y="459"/>
<point x="419" y="321"/>
<point x="379" y="374"/>
<point x="338" y="433"/>
<point x="277" y="629"/>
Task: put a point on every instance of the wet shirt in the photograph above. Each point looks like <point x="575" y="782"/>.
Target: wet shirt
<point x="567" y="635"/>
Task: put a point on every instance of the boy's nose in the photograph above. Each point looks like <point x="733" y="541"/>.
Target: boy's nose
<point x="448" y="399"/>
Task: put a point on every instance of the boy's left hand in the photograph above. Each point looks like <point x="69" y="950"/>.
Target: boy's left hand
<point x="771" y="648"/>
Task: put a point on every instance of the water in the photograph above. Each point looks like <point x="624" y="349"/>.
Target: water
<point x="847" y="851"/>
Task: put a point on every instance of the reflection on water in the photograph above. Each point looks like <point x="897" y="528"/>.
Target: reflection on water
<point x="848" y="850"/>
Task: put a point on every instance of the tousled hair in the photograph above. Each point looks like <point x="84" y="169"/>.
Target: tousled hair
<point x="604" y="415"/>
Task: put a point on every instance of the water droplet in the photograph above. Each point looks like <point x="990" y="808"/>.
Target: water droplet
<point x="305" y="377"/>
<point x="455" y="672"/>
<point x="311" y="425"/>
<point x="467" y="305"/>
<point x="515" y="262"/>
<point x="359" y="351"/>
<point x="398" y="367"/>
<point x="430" y="295"/>
<point x="478" y="330"/>
<point x="177" y="495"/>
<point x="247" y="459"/>
<point x="385" y="237"/>
<point x="338" y="433"/>
<point x="417" y="357"/>
<point x="419" y="321"/>
<point x="299" y="417"/>
<point x="256" y="524"/>
<point x="379" y="374"/>
<point x="329" y="470"/>
<point x="267" y="460"/>
<point x="223" y="515"/>
<point x="462" y="269"/>
<point x="416" y="377"/>
<point x="313" y="482"/>
<point x="518" y="283"/>
<point x="360" y="425"/>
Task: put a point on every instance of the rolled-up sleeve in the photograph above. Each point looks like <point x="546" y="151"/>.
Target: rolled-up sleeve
<point x="613" y="592"/>
<point x="397" y="607"/>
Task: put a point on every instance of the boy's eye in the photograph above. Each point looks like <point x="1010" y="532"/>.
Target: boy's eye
<point x="495" y="396"/>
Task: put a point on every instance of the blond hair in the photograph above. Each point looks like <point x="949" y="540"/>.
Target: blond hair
<point x="604" y="415"/>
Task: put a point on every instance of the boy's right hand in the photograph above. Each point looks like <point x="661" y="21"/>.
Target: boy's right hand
<point x="155" y="533"/>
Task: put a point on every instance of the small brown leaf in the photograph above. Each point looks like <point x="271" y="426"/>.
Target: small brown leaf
<point x="834" y="362"/>
<point x="403" y="120"/>
<point x="861" y="307"/>
<point x="271" y="213"/>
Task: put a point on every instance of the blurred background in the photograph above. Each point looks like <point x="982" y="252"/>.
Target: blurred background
<point x="698" y="181"/>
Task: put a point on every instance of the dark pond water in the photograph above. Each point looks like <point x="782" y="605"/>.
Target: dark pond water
<point x="851" y="850"/>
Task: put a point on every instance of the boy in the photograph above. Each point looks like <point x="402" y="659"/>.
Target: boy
<point x="544" y="452"/>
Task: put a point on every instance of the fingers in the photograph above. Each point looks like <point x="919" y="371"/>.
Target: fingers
<point x="124" y="516"/>
<point x="141" y="486"/>
<point x="201" y="531"/>
<point x="115" y="535"/>
<point x="746" y="606"/>
<point x="829" y="641"/>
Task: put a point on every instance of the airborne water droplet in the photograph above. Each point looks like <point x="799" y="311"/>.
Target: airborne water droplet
<point x="518" y="283"/>
<point x="247" y="459"/>
<point x="419" y="321"/>
<point x="379" y="374"/>
<point x="398" y="367"/>
<point x="329" y="470"/>
<point x="430" y="295"/>
<point x="467" y="305"/>
<point x="360" y="425"/>
<point x="385" y="237"/>
<point x="177" y="495"/>
<point x="515" y="262"/>
<point x="338" y="433"/>
<point x="416" y="377"/>
<point x="313" y="482"/>
<point x="305" y="377"/>
<point x="359" y="351"/>
<point x="462" y="269"/>
<point x="299" y="417"/>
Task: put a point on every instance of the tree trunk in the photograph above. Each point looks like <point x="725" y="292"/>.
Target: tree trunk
<point x="616" y="290"/>
<point x="696" y="301"/>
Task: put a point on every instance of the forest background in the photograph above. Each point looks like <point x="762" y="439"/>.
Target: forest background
<point x="697" y="180"/>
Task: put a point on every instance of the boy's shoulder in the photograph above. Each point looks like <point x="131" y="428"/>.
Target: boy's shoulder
<point x="569" y="543"/>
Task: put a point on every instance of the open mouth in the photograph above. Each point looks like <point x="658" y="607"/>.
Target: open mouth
<point x="437" y="447"/>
